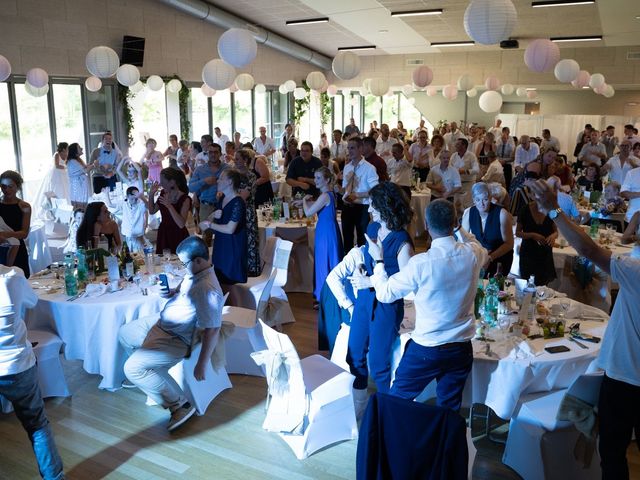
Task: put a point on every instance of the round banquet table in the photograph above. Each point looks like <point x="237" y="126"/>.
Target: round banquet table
<point x="39" y="253"/>
<point x="89" y="326"/>
<point x="498" y="381"/>
<point x="419" y="202"/>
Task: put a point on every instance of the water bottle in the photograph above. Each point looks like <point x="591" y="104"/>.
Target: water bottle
<point x="531" y="289"/>
<point x="491" y="302"/>
<point x="83" y="271"/>
<point x="479" y="300"/>
<point x="148" y="260"/>
<point x="70" y="280"/>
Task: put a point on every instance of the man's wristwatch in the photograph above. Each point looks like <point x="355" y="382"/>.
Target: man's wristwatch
<point x="553" y="214"/>
<point x="379" y="261"/>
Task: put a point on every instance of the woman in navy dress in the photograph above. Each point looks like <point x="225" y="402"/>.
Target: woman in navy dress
<point x="16" y="213"/>
<point x="230" y="243"/>
<point x="375" y="325"/>
<point x="328" y="250"/>
<point x="492" y="226"/>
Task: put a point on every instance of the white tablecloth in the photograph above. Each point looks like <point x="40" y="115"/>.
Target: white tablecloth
<point x="39" y="254"/>
<point x="500" y="382"/>
<point x="89" y="326"/>
<point x="419" y="202"/>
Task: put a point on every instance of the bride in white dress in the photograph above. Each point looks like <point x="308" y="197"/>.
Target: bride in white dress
<point x="54" y="184"/>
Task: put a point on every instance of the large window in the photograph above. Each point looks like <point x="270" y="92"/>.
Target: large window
<point x="149" y="111"/>
<point x="352" y="110"/>
<point x="262" y="104"/>
<point x="221" y="112"/>
<point x="100" y="117"/>
<point x="243" y="115"/>
<point x="199" y="109"/>
<point x="8" y="157"/>
<point x="280" y="114"/>
<point x="390" y="110"/>
<point x="67" y="102"/>
<point x="410" y="116"/>
<point x="338" y="117"/>
<point x="371" y="111"/>
<point x="35" y="137"/>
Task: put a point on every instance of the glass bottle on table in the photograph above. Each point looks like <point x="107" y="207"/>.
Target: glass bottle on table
<point x="479" y="300"/>
<point x="127" y="262"/>
<point x="491" y="302"/>
<point x="82" y="272"/>
<point x="70" y="276"/>
<point x="499" y="276"/>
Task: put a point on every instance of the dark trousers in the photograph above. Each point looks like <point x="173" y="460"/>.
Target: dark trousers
<point x="508" y="175"/>
<point x="102" y="182"/>
<point x="448" y="364"/>
<point x="23" y="391"/>
<point x="354" y="216"/>
<point x="619" y="412"/>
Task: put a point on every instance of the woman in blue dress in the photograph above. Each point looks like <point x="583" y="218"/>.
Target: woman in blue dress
<point x="375" y="325"/>
<point x="328" y="246"/>
<point x="229" y="257"/>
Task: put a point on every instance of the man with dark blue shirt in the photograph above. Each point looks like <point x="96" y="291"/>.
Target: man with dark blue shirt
<point x="301" y="170"/>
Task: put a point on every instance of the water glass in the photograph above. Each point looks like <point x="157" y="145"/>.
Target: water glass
<point x="166" y="253"/>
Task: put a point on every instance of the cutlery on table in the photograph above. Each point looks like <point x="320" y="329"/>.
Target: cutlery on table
<point x="580" y="344"/>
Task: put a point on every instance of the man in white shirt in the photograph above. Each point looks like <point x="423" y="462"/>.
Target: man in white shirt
<point x="506" y="150"/>
<point x="467" y="164"/>
<point x="358" y="177"/>
<point x="496" y="130"/>
<point x="549" y="142"/>
<point x="264" y="145"/>
<point x="158" y="342"/>
<point x="609" y="140"/>
<point x="19" y="373"/>
<point x="631" y="191"/>
<point x="443" y="179"/>
<point x="339" y="152"/>
<point x="619" y="357"/>
<point x="593" y="153"/>
<point x="588" y="128"/>
<point x="444" y="283"/>
<point x="219" y="138"/>
<point x="384" y="142"/>
<point x="400" y="168"/>
<point x="619" y="165"/>
<point x="203" y="157"/>
<point x="630" y="133"/>
<point x="453" y="136"/>
<point x="526" y="152"/>
<point x="421" y="128"/>
<point x="495" y="170"/>
<point x="419" y="152"/>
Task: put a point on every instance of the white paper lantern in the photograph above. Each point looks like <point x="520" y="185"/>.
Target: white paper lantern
<point x="596" y="80"/>
<point x="465" y="82"/>
<point x="609" y="92"/>
<point x="244" y="81"/>
<point x="315" y="80"/>
<point x="422" y="76"/>
<point x="207" y="91"/>
<point x="93" y="84"/>
<point x="37" y="77"/>
<point x="472" y="92"/>
<point x="363" y="92"/>
<point x="237" y="47"/>
<point x="490" y="21"/>
<point x="290" y="85"/>
<point x="582" y="80"/>
<point x="379" y="86"/>
<point x="354" y="101"/>
<point x="490" y="101"/>
<point x="36" y="92"/>
<point x="450" y="92"/>
<point x="346" y="92"/>
<point x="346" y="65"/>
<point x="541" y="55"/>
<point x="217" y="74"/>
<point x="5" y="68"/>
<point x="566" y="70"/>
<point x="174" y="85"/>
<point x="260" y="88"/>
<point x="128" y="75"/>
<point x="325" y="85"/>
<point x="521" y="92"/>
<point x="283" y="90"/>
<point x="492" y="83"/>
<point x="507" y="89"/>
<point x="299" y="93"/>
<point x="531" y="94"/>
<point x="332" y="90"/>
<point x="407" y="90"/>
<point x="137" y="87"/>
<point x="432" y="91"/>
<point x="155" y="83"/>
<point x="103" y="62"/>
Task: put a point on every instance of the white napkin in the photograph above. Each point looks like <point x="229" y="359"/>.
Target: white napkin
<point x="94" y="290"/>
<point x="523" y="351"/>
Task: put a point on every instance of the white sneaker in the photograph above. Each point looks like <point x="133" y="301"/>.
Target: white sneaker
<point x="180" y="416"/>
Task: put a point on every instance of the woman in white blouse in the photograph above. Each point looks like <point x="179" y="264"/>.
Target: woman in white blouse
<point x="78" y="173"/>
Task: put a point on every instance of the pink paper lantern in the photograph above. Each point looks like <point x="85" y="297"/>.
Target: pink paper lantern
<point x="531" y="94"/>
<point x="432" y="91"/>
<point x="601" y="89"/>
<point x="541" y="55"/>
<point x="492" y="83"/>
<point x="582" y="80"/>
<point x="422" y="76"/>
<point x="450" y="92"/>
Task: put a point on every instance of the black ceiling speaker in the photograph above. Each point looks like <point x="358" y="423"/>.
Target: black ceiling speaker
<point x="132" y="51"/>
<point x="508" y="44"/>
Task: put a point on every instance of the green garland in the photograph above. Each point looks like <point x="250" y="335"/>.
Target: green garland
<point x="124" y="95"/>
<point x="325" y="109"/>
<point x="301" y="106"/>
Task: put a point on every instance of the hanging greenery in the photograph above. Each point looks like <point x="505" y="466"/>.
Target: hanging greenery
<point x="124" y="95"/>
<point x="300" y="107"/>
<point x="325" y="109"/>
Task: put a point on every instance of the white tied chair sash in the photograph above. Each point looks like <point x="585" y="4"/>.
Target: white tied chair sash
<point x="218" y="357"/>
<point x="583" y="416"/>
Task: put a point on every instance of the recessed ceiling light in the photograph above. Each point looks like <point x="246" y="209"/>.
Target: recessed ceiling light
<point x="632" y="104"/>
<point x="358" y="47"/>
<point x="560" y="3"/>
<point x="637" y="17"/>
<point x="453" y="44"/>
<point x="417" y="13"/>
<point x="590" y="38"/>
<point x="307" y="21"/>
<point x="586" y="87"/>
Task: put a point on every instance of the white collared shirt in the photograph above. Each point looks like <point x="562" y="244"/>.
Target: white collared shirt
<point x="262" y="147"/>
<point x="221" y="140"/>
<point x="553" y="142"/>
<point x="468" y="162"/>
<point x="365" y="177"/>
<point x="591" y="153"/>
<point x="346" y="268"/>
<point x="526" y="156"/>
<point x="450" y="178"/>
<point x="339" y="150"/>
<point x="495" y="172"/>
<point x="632" y="184"/>
<point x="383" y="147"/>
<point x="444" y="281"/>
<point x="451" y="138"/>
<point x="509" y="147"/>
<point x="617" y="173"/>
<point x="400" y="171"/>
<point x="16" y="295"/>
<point x="416" y="150"/>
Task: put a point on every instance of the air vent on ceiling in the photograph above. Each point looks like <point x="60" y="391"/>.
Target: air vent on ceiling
<point x="414" y="61"/>
<point x="633" y="55"/>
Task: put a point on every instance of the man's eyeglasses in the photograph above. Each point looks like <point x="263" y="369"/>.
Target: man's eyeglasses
<point x="186" y="264"/>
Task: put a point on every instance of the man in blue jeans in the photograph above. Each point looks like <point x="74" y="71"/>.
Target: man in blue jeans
<point x="18" y="371"/>
<point x="444" y="282"/>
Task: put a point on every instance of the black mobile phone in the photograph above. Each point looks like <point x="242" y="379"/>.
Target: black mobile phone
<point x="557" y="349"/>
<point x="164" y="281"/>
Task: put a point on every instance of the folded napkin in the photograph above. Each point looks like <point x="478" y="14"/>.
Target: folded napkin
<point x="94" y="290"/>
<point x="523" y="351"/>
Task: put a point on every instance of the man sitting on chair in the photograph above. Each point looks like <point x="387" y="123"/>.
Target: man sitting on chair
<point x="157" y="344"/>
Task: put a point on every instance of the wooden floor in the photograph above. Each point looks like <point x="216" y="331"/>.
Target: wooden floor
<point x="115" y="435"/>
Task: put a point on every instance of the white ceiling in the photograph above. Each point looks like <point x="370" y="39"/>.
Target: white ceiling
<point x="364" y="22"/>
